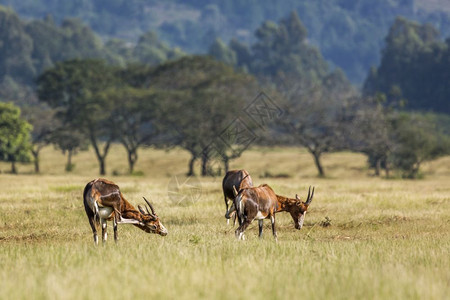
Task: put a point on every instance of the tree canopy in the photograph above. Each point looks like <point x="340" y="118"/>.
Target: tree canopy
<point x="14" y="136"/>
<point x="414" y="66"/>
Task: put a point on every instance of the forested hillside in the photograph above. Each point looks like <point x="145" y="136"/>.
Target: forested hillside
<point x="27" y="48"/>
<point x="350" y="34"/>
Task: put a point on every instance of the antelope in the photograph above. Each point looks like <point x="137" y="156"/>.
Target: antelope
<point x="103" y="202"/>
<point x="262" y="203"/>
<point x="238" y="179"/>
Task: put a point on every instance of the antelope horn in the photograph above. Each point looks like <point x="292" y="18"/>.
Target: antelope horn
<point x="235" y="192"/>
<point x="309" y="199"/>
<point x="141" y="209"/>
<point x="151" y="207"/>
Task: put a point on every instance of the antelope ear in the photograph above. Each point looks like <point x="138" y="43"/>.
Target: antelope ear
<point x="297" y="197"/>
<point x="141" y="209"/>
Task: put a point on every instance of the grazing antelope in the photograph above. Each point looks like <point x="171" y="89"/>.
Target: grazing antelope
<point x="262" y="203"/>
<point x="238" y="179"/>
<point x="103" y="202"/>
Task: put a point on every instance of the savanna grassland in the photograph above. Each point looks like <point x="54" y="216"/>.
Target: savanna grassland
<point x="364" y="237"/>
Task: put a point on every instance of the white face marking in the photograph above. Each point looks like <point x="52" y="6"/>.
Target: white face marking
<point x="163" y="229"/>
<point x="301" y="220"/>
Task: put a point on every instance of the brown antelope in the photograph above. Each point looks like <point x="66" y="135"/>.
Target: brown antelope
<point x="103" y="202"/>
<point x="238" y="179"/>
<point x="262" y="203"/>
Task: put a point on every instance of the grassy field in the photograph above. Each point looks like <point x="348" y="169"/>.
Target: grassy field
<point x="386" y="239"/>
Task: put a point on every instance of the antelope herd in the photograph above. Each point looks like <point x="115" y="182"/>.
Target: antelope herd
<point x="103" y="201"/>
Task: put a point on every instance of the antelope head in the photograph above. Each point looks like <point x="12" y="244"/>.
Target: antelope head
<point x="150" y="220"/>
<point x="298" y="211"/>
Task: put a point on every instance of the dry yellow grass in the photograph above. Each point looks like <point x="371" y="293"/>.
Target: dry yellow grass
<point x="388" y="239"/>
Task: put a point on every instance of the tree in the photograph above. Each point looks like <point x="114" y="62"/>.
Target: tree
<point x="319" y="117"/>
<point x="221" y="52"/>
<point x="44" y="123"/>
<point x="205" y="97"/>
<point x="135" y="119"/>
<point x="14" y="136"/>
<point x="69" y="140"/>
<point x="15" y="48"/>
<point x="414" y="67"/>
<point x="417" y="140"/>
<point x="283" y="48"/>
<point x="75" y="88"/>
<point x="242" y="51"/>
<point x="150" y="50"/>
<point x="371" y="131"/>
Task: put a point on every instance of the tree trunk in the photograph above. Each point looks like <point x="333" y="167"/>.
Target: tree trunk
<point x="318" y="163"/>
<point x="132" y="158"/>
<point x="386" y="170"/>
<point x="100" y="157"/>
<point x="13" y="167"/>
<point x="69" y="161"/>
<point x="204" y="164"/>
<point x="101" y="161"/>
<point x="36" y="161"/>
<point x="226" y="164"/>
<point x="378" y="167"/>
<point x="191" y="165"/>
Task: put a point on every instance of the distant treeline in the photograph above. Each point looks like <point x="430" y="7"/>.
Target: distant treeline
<point x="350" y="33"/>
<point x="208" y="109"/>
<point x="28" y="48"/>
<point x="85" y="92"/>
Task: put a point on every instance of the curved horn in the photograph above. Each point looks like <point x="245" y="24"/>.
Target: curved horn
<point x="141" y="209"/>
<point x="151" y="207"/>
<point x="309" y="199"/>
<point x="235" y="192"/>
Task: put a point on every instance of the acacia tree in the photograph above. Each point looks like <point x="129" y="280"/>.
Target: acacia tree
<point x="14" y="136"/>
<point x="318" y="116"/>
<point x="135" y="119"/>
<point x="201" y="97"/>
<point x="75" y="88"/>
